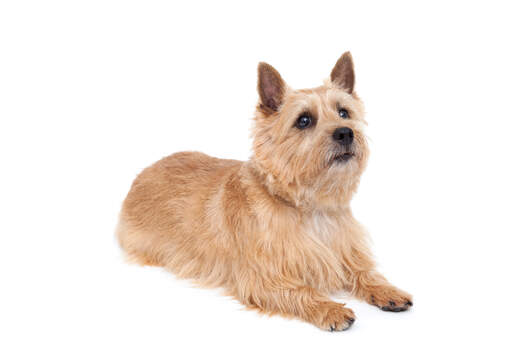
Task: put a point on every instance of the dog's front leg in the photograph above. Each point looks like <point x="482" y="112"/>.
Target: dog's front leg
<point x="304" y="303"/>
<point x="373" y="288"/>
<point x="363" y="280"/>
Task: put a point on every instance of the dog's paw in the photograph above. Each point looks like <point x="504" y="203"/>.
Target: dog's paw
<point x="389" y="298"/>
<point x="334" y="317"/>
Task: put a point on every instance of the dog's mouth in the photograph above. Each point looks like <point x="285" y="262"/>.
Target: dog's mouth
<point x="343" y="157"/>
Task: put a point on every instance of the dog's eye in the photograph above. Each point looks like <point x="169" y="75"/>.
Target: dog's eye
<point x="304" y="121"/>
<point x="343" y="113"/>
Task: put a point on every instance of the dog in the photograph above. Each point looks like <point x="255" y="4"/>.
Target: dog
<point x="275" y="232"/>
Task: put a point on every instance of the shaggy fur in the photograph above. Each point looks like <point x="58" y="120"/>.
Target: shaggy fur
<point x="277" y="231"/>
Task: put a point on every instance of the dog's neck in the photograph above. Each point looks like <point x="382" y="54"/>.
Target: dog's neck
<point x="302" y="197"/>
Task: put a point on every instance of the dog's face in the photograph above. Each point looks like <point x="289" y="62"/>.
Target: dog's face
<point x="311" y="141"/>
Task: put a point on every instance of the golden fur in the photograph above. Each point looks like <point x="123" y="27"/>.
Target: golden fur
<point x="277" y="231"/>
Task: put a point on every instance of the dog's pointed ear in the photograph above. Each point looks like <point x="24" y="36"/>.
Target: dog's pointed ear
<point x="271" y="87"/>
<point x="342" y="74"/>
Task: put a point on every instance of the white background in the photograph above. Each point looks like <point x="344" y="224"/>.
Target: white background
<point x="91" y="92"/>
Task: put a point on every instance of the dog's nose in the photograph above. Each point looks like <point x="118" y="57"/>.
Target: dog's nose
<point x="343" y="135"/>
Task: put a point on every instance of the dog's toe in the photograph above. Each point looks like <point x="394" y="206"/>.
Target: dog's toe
<point x="389" y="298"/>
<point x="394" y="308"/>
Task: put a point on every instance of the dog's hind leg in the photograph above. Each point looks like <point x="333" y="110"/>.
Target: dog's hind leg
<point x="136" y="246"/>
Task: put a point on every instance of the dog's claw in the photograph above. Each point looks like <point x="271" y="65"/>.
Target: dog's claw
<point x="350" y="323"/>
<point x="392" y="307"/>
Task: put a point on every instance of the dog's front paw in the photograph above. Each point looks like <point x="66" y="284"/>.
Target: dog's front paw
<point x="389" y="298"/>
<point x="333" y="316"/>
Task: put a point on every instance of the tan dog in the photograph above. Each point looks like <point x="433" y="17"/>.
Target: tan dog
<point x="277" y="231"/>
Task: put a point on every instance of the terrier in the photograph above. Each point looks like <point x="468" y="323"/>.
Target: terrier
<point x="276" y="232"/>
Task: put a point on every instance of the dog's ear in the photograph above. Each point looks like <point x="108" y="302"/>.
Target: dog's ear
<point x="342" y="74"/>
<point x="271" y="87"/>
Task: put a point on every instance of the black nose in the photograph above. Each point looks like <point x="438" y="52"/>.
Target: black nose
<point x="343" y="135"/>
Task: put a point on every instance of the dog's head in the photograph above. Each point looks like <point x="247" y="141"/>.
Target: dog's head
<point x="310" y="143"/>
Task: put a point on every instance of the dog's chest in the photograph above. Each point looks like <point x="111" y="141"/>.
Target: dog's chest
<point x="323" y="226"/>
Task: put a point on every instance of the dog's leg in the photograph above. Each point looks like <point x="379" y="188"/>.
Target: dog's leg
<point x="362" y="278"/>
<point x="373" y="288"/>
<point x="304" y="303"/>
